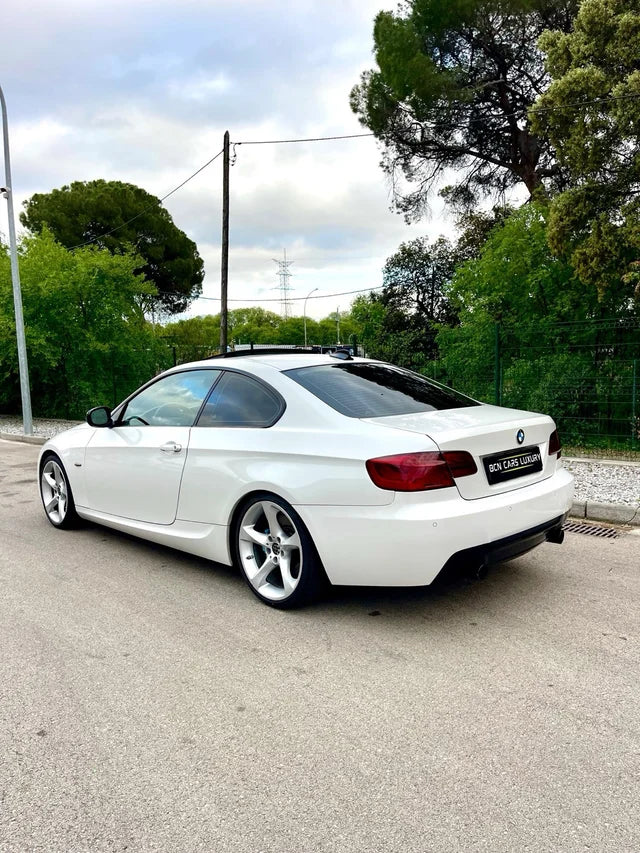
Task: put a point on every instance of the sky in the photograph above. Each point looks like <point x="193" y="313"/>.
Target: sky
<point x="143" y="90"/>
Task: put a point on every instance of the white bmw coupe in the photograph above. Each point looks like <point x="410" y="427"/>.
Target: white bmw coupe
<point x="298" y="467"/>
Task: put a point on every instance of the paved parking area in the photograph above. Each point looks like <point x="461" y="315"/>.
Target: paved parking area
<point x="149" y="703"/>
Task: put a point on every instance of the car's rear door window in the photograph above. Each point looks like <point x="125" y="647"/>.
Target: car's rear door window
<point x="365" y="390"/>
<point x="239" y="400"/>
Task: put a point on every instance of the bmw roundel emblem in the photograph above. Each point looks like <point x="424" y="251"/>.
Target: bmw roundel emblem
<point x="520" y="436"/>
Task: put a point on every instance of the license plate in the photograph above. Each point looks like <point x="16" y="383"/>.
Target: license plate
<point x="512" y="463"/>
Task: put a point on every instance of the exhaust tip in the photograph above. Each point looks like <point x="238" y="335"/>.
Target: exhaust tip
<point x="556" y="536"/>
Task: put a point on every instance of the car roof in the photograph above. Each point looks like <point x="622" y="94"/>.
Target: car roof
<point x="278" y="361"/>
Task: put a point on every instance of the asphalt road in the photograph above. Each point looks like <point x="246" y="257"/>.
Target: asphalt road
<point x="149" y="703"/>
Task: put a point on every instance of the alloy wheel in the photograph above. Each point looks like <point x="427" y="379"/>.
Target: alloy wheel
<point x="55" y="492"/>
<point x="270" y="550"/>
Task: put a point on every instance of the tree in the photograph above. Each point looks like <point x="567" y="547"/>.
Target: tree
<point x="87" y="338"/>
<point x="454" y="81"/>
<point x="515" y="282"/>
<point x="414" y="280"/>
<point x="118" y="216"/>
<point x="591" y="114"/>
<point x="401" y="322"/>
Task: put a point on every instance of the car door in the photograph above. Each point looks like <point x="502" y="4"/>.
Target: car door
<point x="228" y="444"/>
<point x="133" y="470"/>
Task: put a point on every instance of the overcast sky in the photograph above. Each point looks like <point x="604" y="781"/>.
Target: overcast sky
<point x="143" y="90"/>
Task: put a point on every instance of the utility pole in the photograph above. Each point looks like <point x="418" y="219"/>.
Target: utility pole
<point x="338" y="324"/>
<point x="224" y="269"/>
<point x="27" y="421"/>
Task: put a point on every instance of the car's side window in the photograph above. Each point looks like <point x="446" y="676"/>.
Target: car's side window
<point x="240" y="401"/>
<point x="174" y="400"/>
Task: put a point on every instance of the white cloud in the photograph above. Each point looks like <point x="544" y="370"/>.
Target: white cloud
<point x="143" y="90"/>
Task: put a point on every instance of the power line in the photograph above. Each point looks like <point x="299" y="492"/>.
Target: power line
<point x="149" y="207"/>
<point x="523" y="111"/>
<point x="309" y="139"/>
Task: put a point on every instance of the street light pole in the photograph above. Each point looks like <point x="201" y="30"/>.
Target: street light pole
<point x="27" y="422"/>
<point x="305" y="313"/>
<point x="224" y="267"/>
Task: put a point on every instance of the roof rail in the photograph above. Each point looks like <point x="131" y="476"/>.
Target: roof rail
<point x="269" y="351"/>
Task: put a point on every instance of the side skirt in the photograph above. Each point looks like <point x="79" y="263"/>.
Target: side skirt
<point x="204" y="540"/>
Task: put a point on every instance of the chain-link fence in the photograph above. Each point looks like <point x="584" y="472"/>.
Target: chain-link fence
<point x="585" y="375"/>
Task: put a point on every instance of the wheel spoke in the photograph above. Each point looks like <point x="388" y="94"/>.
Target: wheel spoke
<point x="262" y="573"/>
<point x="288" y="581"/>
<point x="49" y="479"/>
<point x="291" y="543"/>
<point x="52" y="504"/>
<point x="57" y="474"/>
<point x="271" y="512"/>
<point x="62" y="506"/>
<point x="250" y="534"/>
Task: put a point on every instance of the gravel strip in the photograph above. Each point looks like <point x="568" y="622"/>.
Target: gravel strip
<point x="45" y="427"/>
<point x="595" y="481"/>
<point x="616" y="484"/>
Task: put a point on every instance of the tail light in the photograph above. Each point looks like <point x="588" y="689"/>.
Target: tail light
<point x="461" y="463"/>
<point x="418" y="472"/>
<point x="554" y="444"/>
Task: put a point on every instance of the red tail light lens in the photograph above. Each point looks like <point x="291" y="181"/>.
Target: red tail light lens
<point x="461" y="463"/>
<point x="410" y="472"/>
<point x="554" y="444"/>
<point x="418" y="472"/>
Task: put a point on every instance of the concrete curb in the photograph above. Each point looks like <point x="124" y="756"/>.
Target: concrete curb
<point x="25" y="439"/>
<point x="613" y="513"/>
<point x="583" y="460"/>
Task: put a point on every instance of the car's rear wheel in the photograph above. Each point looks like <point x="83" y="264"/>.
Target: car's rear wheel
<point x="275" y="552"/>
<point x="55" y="491"/>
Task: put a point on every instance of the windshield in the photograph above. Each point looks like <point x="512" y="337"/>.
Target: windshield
<point x="373" y="390"/>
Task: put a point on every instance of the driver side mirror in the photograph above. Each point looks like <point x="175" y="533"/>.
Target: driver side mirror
<point x="100" y="416"/>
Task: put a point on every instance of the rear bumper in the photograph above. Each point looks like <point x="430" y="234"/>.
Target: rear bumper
<point x="482" y="556"/>
<point x="410" y="541"/>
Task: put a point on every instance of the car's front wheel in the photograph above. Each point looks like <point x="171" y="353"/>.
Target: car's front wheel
<point x="275" y="552"/>
<point x="56" y="494"/>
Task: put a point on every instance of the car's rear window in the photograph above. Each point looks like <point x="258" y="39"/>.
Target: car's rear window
<point x="363" y="390"/>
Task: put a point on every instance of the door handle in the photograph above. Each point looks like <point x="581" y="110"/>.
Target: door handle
<point x="171" y="447"/>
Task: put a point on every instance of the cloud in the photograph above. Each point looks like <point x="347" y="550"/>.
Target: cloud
<point x="143" y="90"/>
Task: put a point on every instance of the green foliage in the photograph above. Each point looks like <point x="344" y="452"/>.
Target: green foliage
<point x="451" y="75"/>
<point x="415" y="278"/>
<point x="87" y="339"/>
<point x="515" y="281"/>
<point x="200" y="336"/>
<point x="400" y="324"/>
<point x="591" y="113"/>
<point x="516" y="277"/>
<point x="533" y="336"/>
<point x="120" y="217"/>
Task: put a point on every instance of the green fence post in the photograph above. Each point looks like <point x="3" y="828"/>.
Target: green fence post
<point x="113" y="382"/>
<point x="496" y="367"/>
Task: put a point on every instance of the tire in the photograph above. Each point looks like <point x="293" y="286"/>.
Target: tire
<point x="275" y="553"/>
<point x="56" y="494"/>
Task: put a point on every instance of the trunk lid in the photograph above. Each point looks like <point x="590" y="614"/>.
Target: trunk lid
<point x="486" y="431"/>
